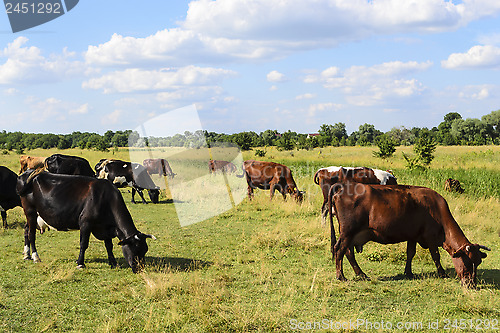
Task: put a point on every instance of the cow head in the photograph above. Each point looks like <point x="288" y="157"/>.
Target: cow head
<point x="134" y="249"/>
<point x="297" y="195"/>
<point x="466" y="259"/>
<point x="25" y="181"/>
<point x="154" y="195"/>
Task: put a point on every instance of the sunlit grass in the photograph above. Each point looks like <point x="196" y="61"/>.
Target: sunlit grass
<point x="254" y="267"/>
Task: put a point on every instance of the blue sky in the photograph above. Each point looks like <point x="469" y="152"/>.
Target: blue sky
<point x="252" y="65"/>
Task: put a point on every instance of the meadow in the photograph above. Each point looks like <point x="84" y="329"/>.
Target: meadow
<point x="262" y="266"/>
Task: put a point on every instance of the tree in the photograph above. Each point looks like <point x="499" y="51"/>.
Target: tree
<point x="332" y="135"/>
<point x="365" y="135"/>
<point x="386" y="146"/>
<point x="424" y="147"/>
<point x="269" y="137"/>
<point x="286" y="141"/>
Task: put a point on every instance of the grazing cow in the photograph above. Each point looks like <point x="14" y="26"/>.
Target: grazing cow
<point x="158" y="166"/>
<point x="30" y="162"/>
<point x="453" y="185"/>
<point x="326" y="177"/>
<point x="82" y="203"/>
<point x="69" y="165"/>
<point x="123" y="174"/>
<point x="399" y="213"/>
<point x="222" y="166"/>
<point x="270" y="176"/>
<point x="8" y="196"/>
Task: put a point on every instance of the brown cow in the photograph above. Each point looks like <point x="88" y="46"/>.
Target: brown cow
<point x="222" y="166"/>
<point x="326" y="177"/>
<point x="270" y="176"/>
<point x="158" y="166"/>
<point x="30" y="162"/>
<point x="399" y="213"/>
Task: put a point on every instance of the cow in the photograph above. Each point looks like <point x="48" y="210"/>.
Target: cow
<point x="69" y="165"/>
<point x="326" y="177"/>
<point x="270" y="176"/>
<point x="158" y="166"/>
<point x="8" y="196"/>
<point x="30" y="162"/>
<point x="123" y="174"/>
<point x="222" y="166"/>
<point x="93" y="206"/>
<point x="399" y="213"/>
<point x="453" y="185"/>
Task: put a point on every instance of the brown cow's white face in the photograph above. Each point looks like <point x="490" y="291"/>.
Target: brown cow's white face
<point x="466" y="260"/>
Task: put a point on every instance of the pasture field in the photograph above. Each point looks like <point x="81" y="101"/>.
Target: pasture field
<point x="262" y="266"/>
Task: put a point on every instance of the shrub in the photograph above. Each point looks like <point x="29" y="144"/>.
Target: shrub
<point x="386" y="146"/>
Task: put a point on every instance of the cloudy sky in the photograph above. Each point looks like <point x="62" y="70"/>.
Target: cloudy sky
<point x="252" y="64"/>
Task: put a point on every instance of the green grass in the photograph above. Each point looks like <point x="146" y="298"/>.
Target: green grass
<point x="257" y="267"/>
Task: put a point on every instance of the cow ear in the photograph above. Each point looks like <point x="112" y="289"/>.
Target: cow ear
<point x="458" y="253"/>
<point x="461" y="251"/>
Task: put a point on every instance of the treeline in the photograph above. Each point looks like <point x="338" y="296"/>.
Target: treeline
<point x="453" y="130"/>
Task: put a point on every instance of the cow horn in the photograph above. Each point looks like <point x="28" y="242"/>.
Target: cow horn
<point x="150" y="236"/>
<point x="484" y="247"/>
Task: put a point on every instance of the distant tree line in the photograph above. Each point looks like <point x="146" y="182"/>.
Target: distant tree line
<point x="453" y="130"/>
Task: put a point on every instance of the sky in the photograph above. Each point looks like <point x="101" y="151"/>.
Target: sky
<point x="252" y="65"/>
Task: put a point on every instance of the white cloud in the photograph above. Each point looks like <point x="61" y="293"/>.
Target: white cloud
<point x="273" y="88"/>
<point x="365" y="86"/>
<point x="320" y="107"/>
<point x="305" y="96"/>
<point x="275" y="76"/>
<point x="82" y="109"/>
<point x="477" y="92"/>
<point x="27" y="65"/>
<point x="247" y="30"/>
<point x="11" y="91"/>
<point x="134" y="79"/>
<point x="112" y="118"/>
<point x="479" y="56"/>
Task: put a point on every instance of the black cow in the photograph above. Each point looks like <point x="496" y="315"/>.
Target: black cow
<point x="69" y="165"/>
<point x="123" y="174"/>
<point x="8" y="196"/>
<point x="67" y="202"/>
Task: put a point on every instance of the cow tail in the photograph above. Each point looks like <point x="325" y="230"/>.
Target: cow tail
<point x="242" y="172"/>
<point x="316" y="178"/>
<point x="333" y="190"/>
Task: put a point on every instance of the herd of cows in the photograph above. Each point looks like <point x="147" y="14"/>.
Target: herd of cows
<point x="64" y="193"/>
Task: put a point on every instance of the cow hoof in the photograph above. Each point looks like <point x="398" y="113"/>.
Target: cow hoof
<point x="35" y="257"/>
<point x="409" y="276"/>
<point x="80" y="267"/>
<point x="341" y="278"/>
<point x="443" y="275"/>
<point x="363" y="277"/>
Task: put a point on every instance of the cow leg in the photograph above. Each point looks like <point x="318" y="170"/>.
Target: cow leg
<point x="109" y="248"/>
<point x="437" y="261"/>
<point x="411" y="249"/>
<point x="250" y="192"/>
<point x="26" y="250"/>
<point x="340" y="249"/>
<point x="354" y="263"/>
<point x="84" y="244"/>
<point x="139" y="191"/>
<point x="30" y="236"/>
<point x="133" y="194"/>
<point x="4" y="217"/>
<point x="271" y="190"/>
